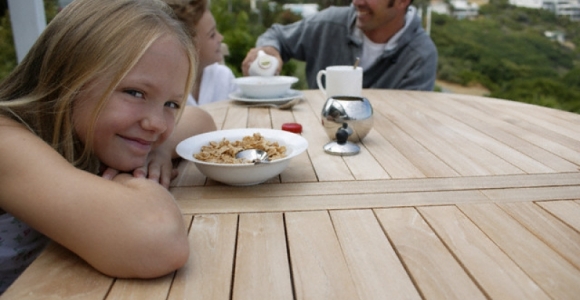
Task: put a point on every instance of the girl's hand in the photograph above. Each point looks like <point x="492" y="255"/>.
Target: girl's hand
<point x="159" y="167"/>
<point x="109" y="173"/>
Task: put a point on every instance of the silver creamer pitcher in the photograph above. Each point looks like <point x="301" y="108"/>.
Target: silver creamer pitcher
<point x="356" y="112"/>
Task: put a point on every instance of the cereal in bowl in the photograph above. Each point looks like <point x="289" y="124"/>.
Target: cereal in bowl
<point x="225" y="150"/>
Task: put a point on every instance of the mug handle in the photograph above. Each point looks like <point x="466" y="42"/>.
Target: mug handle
<point x="319" y="80"/>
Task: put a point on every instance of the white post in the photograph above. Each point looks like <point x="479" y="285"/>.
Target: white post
<point x="28" y="21"/>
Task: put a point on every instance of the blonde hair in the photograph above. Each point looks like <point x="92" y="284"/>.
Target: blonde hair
<point x="189" y="12"/>
<point x="87" y="40"/>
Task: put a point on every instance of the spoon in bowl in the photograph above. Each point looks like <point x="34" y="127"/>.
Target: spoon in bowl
<point x="254" y="155"/>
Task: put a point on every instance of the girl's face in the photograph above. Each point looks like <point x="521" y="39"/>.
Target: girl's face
<point x="141" y="112"/>
<point x="208" y="41"/>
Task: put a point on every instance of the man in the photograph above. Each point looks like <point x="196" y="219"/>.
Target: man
<point x="394" y="50"/>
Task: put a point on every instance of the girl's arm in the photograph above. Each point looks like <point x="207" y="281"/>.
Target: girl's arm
<point x="125" y="227"/>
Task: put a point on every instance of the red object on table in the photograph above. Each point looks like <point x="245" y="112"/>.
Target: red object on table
<point x="292" y="127"/>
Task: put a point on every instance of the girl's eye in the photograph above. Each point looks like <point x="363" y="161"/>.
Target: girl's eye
<point x="172" y="104"/>
<point x="134" y="93"/>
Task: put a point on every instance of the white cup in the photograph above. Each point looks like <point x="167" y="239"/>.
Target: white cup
<point x="341" y="81"/>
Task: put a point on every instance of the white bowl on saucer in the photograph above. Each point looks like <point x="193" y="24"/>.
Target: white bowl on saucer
<point x="265" y="86"/>
<point x="242" y="174"/>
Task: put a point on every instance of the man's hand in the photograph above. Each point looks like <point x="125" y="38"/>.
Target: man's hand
<point x="253" y="54"/>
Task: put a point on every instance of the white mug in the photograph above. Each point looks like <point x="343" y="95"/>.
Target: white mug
<point x="341" y="81"/>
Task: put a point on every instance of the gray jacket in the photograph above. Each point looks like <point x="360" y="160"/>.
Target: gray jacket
<point x="327" y="38"/>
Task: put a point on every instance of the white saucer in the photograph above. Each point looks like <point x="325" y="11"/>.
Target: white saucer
<point x="291" y="94"/>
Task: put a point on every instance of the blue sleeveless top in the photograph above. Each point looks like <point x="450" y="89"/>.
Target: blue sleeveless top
<point x="19" y="246"/>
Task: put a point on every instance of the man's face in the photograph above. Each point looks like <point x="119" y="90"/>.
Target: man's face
<point x="379" y="15"/>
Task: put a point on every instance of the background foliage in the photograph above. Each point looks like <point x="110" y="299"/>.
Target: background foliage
<point x="504" y="49"/>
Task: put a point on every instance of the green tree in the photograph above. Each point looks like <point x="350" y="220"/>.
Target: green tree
<point x="505" y="50"/>
<point x="7" y="51"/>
<point x="8" y="59"/>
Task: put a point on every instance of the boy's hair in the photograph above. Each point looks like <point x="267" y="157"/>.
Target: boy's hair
<point x="87" y="40"/>
<point x="189" y="12"/>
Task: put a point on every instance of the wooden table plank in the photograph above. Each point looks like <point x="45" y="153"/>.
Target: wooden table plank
<point x="219" y="111"/>
<point x="534" y="137"/>
<point x="138" y="289"/>
<point x="314" y="203"/>
<point x="299" y="170"/>
<point x="531" y="120"/>
<point x="281" y="116"/>
<point x="75" y="278"/>
<point x="259" y="117"/>
<point x="234" y="203"/>
<point x="495" y="156"/>
<point x="456" y="123"/>
<point x="428" y="133"/>
<point x="489" y="266"/>
<point x="563" y="119"/>
<point x="444" y="150"/>
<point x="208" y="272"/>
<point x="533" y="194"/>
<point x="504" y="132"/>
<point x="555" y="275"/>
<point x="558" y="235"/>
<point x="262" y="268"/>
<point x="364" y="166"/>
<point x="319" y="268"/>
<point x="498" y="183"/>
<point x="373" y="263"/>
<point x="237" y="117"/>
<point x="390" y="158"/>
<point x="423" y="159"/>
<point x="549" y="124"/>
<point x="434" y="269"/>
<point x="567" y="211"/>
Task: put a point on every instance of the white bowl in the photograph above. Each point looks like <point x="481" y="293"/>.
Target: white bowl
<point x="242" y="174"/>
<point x="265" y="86"/>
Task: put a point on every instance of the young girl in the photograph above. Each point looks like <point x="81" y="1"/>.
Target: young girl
<point x="214" y="81"/>
<point x="87" y="128"/>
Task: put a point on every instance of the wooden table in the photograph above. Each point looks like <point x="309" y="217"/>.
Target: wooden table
<point x="451" y="197"/>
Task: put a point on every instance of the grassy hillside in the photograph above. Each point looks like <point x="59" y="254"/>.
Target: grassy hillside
<point x="506" y="51"/>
